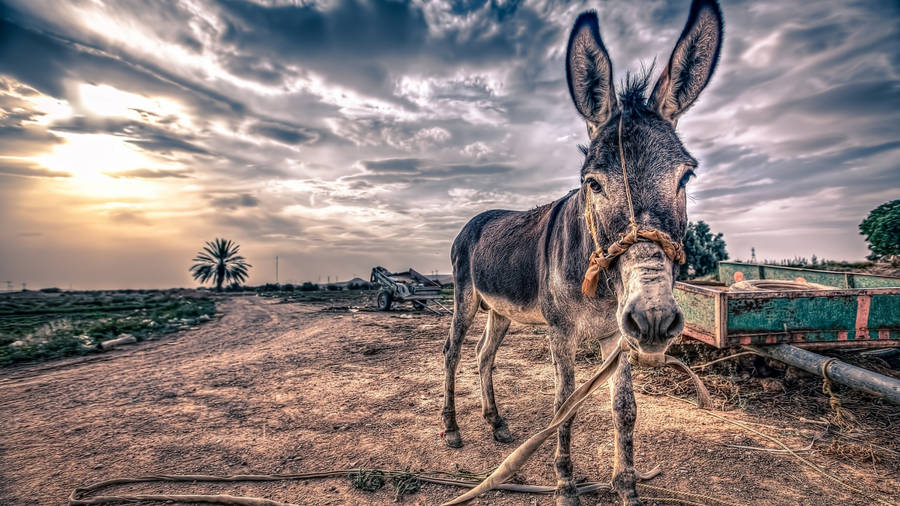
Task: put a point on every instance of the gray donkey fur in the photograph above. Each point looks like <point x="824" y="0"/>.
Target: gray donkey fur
<point x="528" y="266"/>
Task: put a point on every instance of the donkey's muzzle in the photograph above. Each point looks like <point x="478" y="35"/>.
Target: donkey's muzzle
<point x="651" y="324"/>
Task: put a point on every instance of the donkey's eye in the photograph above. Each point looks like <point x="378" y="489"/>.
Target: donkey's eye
<point x="688" y="174"/>
<point x="595" y="185"/>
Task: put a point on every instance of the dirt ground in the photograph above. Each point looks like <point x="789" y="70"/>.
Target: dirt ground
<point x="284" y="388"/>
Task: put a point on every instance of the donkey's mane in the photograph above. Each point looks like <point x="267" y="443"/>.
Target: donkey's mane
<point x="633" y="99"/>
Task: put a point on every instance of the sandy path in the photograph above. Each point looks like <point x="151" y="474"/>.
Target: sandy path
<point x="293" y="387"/>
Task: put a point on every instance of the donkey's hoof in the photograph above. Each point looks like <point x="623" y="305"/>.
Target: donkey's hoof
<point x="567" y="500"/>
<point x="629" y="497"/>
<point x="566" y="494"/>
<point x="502" y="433"/>
<point x="453" y="439"/>
<point x="623" y="483"/>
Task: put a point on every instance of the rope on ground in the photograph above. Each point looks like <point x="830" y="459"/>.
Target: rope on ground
<point x="405" y="481"/>
<point x="673" y="500"/>
<point x="777" y="441"/>
<point x="696" y="497"/>
<point x="842" y="417"/>
<point x="368" y="479"/>
<point x="703" y="366"/>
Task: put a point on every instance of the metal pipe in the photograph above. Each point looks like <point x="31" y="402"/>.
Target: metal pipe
<point x="839" y="372"/>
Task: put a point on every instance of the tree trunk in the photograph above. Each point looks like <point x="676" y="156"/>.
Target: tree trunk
<point x="220" y="276"/>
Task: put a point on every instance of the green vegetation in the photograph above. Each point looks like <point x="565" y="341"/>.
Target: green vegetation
<point x="817" y="263"/>
<point x="42" y="326"/>
<point x="219" y="261"/>
<point x="882" y="230"/>
<point x="703" y="250"/>
<point x="309" y="286"/>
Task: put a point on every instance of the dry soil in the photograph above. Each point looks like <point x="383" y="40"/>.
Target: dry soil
<point x="279" y="388"/>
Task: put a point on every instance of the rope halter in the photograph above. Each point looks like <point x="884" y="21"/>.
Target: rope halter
<point x="600" y="259"/>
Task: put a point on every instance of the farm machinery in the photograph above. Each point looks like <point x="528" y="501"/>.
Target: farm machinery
<point x="422" y="292"/>
<point x="778" y="311"/>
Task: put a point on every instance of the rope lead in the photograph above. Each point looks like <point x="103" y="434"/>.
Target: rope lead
<point x="600" y="259"/>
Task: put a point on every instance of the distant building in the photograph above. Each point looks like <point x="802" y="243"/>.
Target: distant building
<point x="443" y="279"/>
<point x="343" y="285"/>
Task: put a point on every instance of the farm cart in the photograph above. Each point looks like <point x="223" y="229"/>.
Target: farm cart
<point x="849" y="311"/>
<point x="407" y="286"/>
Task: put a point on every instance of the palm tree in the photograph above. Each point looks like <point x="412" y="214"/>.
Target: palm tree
<point x="219" y="260"/>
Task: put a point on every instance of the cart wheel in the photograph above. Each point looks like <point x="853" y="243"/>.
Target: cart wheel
<point x="384" y="300"/>
<point x="418" y="305"/>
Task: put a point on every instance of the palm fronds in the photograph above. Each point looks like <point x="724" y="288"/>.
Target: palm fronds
<point x="219" y="261"/>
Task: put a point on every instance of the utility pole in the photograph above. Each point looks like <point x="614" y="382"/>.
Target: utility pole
<point x="276" y="269"/>
<point x="752" y="255"/>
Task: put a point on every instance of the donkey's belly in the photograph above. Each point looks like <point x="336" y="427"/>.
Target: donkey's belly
<point x="523" y="314"/>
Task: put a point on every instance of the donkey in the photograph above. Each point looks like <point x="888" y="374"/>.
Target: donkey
<point x="528" y="266"/>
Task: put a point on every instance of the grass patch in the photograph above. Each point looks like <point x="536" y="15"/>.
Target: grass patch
<point x="46" y="325"/>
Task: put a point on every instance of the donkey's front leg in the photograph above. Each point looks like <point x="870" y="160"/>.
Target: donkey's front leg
<point x="562" y="349"/>
<point x="624" y="412"/>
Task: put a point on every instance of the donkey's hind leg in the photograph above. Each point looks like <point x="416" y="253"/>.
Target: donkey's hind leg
<point x="465" y="305"/>
<point x="496" y="328"/>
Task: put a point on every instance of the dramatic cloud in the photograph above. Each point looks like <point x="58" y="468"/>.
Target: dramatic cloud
<point x="343" y="134"/>
<point x="149" y="173"/>
<point x="14" y="167"/>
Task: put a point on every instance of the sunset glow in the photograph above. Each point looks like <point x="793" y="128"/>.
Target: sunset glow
<point x="149" y="128"/>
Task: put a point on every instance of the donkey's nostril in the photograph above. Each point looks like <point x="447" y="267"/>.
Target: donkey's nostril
<point x="676" y="325"/>
<point x="631" y="326"/>
<point x="634" y="322"/>
<point x="651" y="324"/>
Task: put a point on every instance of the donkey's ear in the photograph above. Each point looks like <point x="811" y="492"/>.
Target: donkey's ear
<point x="692" y="63"/>
<point x="589" y="73"/>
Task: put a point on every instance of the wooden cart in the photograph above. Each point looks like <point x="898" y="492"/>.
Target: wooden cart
<point x="862" y="311"/>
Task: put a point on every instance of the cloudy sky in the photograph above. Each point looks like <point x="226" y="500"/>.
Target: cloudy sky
<point x="342" y="134"/>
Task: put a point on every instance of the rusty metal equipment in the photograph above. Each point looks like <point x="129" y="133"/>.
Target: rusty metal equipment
<point x="840" y="372"/>
<point x="424" y="293"/>
<point x="860" y="311"/>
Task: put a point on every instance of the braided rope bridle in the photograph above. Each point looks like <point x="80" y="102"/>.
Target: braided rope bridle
<point x="600" y="259"/>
